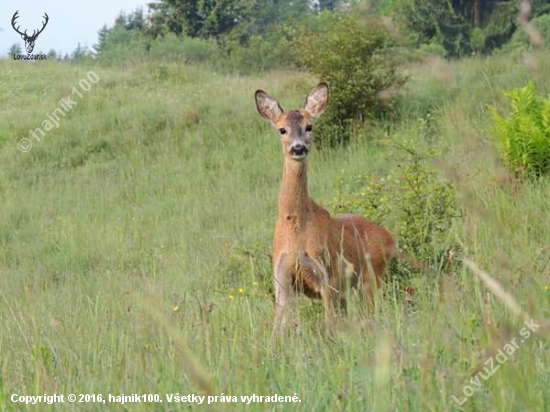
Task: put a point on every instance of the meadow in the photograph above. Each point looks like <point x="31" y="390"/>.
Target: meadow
<point x="135" y="244"/>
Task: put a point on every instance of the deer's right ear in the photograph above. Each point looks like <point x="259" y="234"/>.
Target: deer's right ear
<point x="267" y="106"/>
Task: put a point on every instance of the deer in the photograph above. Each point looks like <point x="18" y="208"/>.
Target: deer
<point x="313" y="252"/>
<point x="29" y="40"/>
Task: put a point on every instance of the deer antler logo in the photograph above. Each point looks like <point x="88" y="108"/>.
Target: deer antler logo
<point x="29" y="40"/>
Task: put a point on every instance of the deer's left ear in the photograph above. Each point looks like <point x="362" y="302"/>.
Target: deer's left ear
<point x="317" y="100"/>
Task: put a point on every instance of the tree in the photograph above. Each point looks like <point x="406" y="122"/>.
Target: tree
<point x="217" y="18"/>
<point x="102" y="38"/>
<point x="15" y="49"/>
<point x="125" y="29"/>
<point x="461" y="26"/>
<point x="327" y="4"/>
<point x="136" y="21"/>
<point x="52" y="55"/>
<point x="266" y="15"/>
<point x="204" y="18"/>
<point x="120" y="21"/>
<point x="164" y="17"/>
<point x="79" y="53"/>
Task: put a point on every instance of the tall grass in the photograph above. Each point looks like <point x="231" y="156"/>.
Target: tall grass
<point x="135" y="246"/>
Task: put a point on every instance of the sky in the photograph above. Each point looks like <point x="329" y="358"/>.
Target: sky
<point x="71" y="21"/>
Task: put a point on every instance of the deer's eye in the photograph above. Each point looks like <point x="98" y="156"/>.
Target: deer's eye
<point x="309" y="128"/>
<point x="282" y="130"/>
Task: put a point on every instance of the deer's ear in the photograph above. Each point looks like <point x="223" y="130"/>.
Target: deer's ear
<point x="317" y="100"/>
<point x="23" y="36"/>
<point x="267" y="106"/>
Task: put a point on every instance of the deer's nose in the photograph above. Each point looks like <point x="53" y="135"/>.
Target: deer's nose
<point x="298" y="149"/>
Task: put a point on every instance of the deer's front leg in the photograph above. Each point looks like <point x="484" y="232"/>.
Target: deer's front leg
<point x="284" y="294"/>
<point x="328" y="284"/>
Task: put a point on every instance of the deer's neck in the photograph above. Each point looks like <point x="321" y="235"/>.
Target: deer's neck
<point x="293" y="197"/>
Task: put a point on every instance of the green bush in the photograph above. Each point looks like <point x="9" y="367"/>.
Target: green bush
<point x="187" y="49"/>
<point x="477" y="39"/>
<point x="433" y="49"/>
<point x="413" y="202"/>
<point x="124" y="46"/>
<point x="525" y="135"/>
<point x="352" y="56"/>
<point x="261" y="53"/>
<point x="520" y="40"/>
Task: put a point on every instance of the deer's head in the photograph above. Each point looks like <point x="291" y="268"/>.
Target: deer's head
<point x="29" y="40"/>
<point x="296" y="126"/>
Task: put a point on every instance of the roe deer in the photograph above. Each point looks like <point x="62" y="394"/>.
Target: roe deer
<point x="313" y="252"/>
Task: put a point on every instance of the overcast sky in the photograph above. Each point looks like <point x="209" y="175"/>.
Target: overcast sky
<point x="71" y="21"/>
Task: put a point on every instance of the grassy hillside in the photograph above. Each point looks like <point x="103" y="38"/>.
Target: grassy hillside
<point x="135" y="245"/>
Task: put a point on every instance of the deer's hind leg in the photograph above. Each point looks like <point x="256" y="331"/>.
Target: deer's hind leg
<point x="370" y="281"/>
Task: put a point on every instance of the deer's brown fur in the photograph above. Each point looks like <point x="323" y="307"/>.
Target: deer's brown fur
<point x="313" y="252"/>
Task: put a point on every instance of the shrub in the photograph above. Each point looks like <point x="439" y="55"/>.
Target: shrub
<point x="522" y="42"/>
<point x="413" y="202"/>
<point x="352" y="56"/>
<point x="433" y="49"/>
<point x="190" y="50"/>
<point x="477" y="39"/>
<point x="525" y="135"/>
<point x="261" y="53"/>
<point x="124" y="46"/>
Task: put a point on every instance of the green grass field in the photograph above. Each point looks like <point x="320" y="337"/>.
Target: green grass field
<point x="135" y="244"/>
